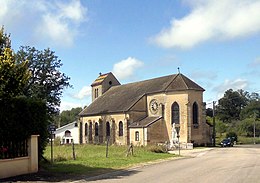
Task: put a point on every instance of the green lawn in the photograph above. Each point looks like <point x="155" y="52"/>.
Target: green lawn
<point x="91" y="159"/>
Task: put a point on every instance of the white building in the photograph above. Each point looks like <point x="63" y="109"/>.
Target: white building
<point x="68" y="133"/>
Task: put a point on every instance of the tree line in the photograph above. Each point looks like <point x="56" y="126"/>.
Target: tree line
<point x="237" y="111"/>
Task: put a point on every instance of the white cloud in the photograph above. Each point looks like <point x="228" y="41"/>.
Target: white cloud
<point x="230" y="84"/>
<point x="83" y="93"/>
<point x="222" y="19"/>
<point x="68" y="105"/>
<point x="125" y="69"/>
<point x="56" y="22"/>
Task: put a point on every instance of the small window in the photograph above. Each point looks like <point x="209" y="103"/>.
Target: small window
<point x="96" y="129"/>
<point x="90" y="131"/>
<point x="67" y="133"/>
<point x="136" y="136"/>
<point x="110" y="82"/>
<point x="195" y="113"/>
<point x="76" y="124"/>
<point x="120" y="128"/>
<point x="108" y="129"/>
<point x="86" y="129"/>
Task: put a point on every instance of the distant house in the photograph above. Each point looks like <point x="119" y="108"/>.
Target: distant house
<point x="145" y="112"/>
<point x="68" y="133"/>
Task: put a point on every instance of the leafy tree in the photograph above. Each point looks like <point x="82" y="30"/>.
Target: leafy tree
<point x="209" y="112"/>
<point x="13" y="76"/>
<point x="230" y="106"/>
<point x="47" y="81"/>
<point x="67" y="116"/>
<point x="5" y="41"/>
<point x="252" y="109"/>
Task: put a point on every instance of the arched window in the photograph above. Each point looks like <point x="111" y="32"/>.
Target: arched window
<point x="96" y="129"/>
<point x="136" y="136"/>
<point x="195" y="113"/>
<point x="86" y="129"/>
<point x="107" y="129"/>
<point x="120" y="128"/>
<point x="175" y="113"/>
<point x="67" y="133"/>
<point x="90" y="131"/>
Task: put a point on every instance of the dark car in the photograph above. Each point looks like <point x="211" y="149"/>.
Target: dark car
<point x="226" y="143"/>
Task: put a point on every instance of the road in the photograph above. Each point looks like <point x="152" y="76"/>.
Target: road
<point x="240" y="164"/>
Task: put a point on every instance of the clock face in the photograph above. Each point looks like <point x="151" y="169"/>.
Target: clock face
<point x="154" y="106"/>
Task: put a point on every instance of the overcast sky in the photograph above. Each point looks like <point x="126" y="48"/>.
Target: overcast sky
<point x="216" y="43"/>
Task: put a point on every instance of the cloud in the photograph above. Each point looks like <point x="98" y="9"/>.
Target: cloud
<point x="230" y="84"/>
<point x="83" y="93"/>
<point x="68" y="105"/>
<point x="56" y="22"/>
<point x="125" y="69"/>
<point x="208" y="20"/>
<point x="255" y="63"/>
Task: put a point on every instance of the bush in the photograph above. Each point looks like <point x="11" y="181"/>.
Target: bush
<point x="22" y="117"/>
<point x="157" y="149"/>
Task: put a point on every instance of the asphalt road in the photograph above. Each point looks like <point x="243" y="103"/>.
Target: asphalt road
<point x="240" y="164"/>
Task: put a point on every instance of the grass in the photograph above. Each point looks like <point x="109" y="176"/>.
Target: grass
<point x="91" y="159"/>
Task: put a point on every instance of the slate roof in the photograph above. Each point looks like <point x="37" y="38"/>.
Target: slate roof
<point x="122" y="97"/>
<point x="145" y="122"/>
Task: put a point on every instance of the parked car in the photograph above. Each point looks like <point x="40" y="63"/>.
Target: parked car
<point x="227" y="143"/>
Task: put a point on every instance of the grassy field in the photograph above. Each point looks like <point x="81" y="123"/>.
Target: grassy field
<point x="91" y="159"/>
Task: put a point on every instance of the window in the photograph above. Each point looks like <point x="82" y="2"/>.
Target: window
<point x="96" y="129"/>
<point x="96" y="93"/>
<point x="86" y="129"/>
<point x="90" y="131"/>
<point x="195" y="113"/>
<point x="67" y="133"/>
<point x="107" y="129"/>
<point x="76" y="125"/>
<point x="136" y="136"/>
<point x="175" y="113"/>
<point x="120" y="128"/>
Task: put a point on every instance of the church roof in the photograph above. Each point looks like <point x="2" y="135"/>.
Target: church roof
<point x="100" y="79"/>
<point x="122" y="97"/>
<point x="145" y="122"/>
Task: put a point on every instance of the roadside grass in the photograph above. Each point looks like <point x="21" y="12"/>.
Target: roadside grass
<point x="91" y="159"/>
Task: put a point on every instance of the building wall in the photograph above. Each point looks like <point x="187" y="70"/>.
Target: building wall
<point x="60" y="132"/>
<point x="113" y="120"/>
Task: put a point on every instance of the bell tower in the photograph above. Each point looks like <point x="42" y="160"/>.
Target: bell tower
<point x="102" y="84"/>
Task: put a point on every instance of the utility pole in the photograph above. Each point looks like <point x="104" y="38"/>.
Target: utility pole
<point x="214" y="125"/>
<point x="254" y="125"/>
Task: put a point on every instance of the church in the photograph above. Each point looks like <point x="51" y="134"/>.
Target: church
<point x="164" y="109"/>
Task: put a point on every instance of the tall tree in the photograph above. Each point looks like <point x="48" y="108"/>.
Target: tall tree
<point x="47" y="81"/>
<point x="230" y="106"/>
<point x="13" y="75"/>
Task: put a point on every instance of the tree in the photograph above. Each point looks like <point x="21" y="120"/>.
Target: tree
<point x="230" y="106"/>
<point x="68" y="116"/>
<point x="47" y="81"/>
<point x="13" y="76"/>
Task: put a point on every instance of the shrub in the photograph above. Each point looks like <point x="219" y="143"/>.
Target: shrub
<point x="157" y="149"/>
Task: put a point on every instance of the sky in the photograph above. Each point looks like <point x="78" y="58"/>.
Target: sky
<point x="216" y="43"/>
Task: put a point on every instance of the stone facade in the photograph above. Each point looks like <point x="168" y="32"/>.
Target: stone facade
<point x="145" y="112"/>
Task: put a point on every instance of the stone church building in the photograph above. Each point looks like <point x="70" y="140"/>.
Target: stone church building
<point x="145" y="112"/>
